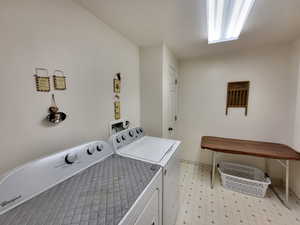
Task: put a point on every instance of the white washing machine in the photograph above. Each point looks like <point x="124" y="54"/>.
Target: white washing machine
<point x="84" y="185"/>
<point x="164" y="152"/>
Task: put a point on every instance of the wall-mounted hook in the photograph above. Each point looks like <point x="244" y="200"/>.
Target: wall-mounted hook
<point x="54" y="115"/>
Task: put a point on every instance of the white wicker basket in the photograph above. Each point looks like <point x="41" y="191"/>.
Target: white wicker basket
<point x="244" y="179"/>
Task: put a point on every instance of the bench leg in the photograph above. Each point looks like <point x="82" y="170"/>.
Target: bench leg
<point x="287" y="173"/>
<point x="213" y="171"/>
<point x="283" y="200"/>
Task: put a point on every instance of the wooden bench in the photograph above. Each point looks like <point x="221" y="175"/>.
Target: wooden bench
<point x="253" y="148"/>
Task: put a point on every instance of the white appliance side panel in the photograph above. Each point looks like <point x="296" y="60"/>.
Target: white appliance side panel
<point x="171" y="189"/>
<point x="175" y="148"/>
<point x="148" y="148"/>
<point x="150" y="214"/>
<point x="154" y="188"/>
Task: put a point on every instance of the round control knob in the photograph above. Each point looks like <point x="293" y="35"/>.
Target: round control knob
<point x="137" y="131"/>
<point x="118" y="140"/>
<point x="130" y="133"/>
<point x="141" y="130"/>
<point x="123" y="138"/>
<point x="90" y="151"/>
<point x="70" y="158"/>
<point x="99" y="148"/>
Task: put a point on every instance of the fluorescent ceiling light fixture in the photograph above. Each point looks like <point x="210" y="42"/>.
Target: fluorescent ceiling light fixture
<point x="226" y="18"/>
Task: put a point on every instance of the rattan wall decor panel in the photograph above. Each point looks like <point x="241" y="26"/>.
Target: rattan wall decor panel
<point x="237" y="95"/>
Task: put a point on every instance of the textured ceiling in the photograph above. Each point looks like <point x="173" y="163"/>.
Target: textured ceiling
<point x="181" y="24"/>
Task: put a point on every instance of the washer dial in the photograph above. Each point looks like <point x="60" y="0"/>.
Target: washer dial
<point x="71" y="158"/>
<point x="131" y="133"/>
<point x="90" y="151"/>
<point x="118" y="140"/>
<point x="99" y="148"/>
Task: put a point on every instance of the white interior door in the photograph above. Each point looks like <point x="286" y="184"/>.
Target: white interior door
<point x="172" y="101"/>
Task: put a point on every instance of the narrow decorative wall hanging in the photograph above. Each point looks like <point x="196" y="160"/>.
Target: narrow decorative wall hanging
<point x="42" y="82"/>
<point x="117" y="83"/>
<point x="117" y="106"/>
<point x="117" y="91"/>
<point x="59" y="81"/>
<point x="237" y="95"/>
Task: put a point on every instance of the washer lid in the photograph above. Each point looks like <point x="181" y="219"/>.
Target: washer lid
<point x="147" y="148"/>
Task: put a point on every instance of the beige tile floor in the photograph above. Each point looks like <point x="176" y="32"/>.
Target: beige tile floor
<point x="201" y="205"/>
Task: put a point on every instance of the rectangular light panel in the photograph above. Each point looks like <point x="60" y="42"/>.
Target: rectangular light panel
<point x="226" y="19"/>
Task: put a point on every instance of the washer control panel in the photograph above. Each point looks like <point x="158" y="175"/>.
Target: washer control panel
<point x="39" y="175"/>
<point x="126" y="137"/>
<point x="89" y="152"/>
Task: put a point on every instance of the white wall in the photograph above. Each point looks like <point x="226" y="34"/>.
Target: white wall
<point x="202" y="93"/>
<point x="58" y="34"/>
<point x="296" y="141"/>
<point x="151" y="59"/>
<point x="296" y="69"/>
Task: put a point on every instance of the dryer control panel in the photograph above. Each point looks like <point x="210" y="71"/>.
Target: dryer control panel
<point x="126" y="137"/>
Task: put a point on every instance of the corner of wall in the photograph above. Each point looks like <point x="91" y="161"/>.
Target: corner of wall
<point x="295" y="69"/>
<point x="151" y="89"/>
